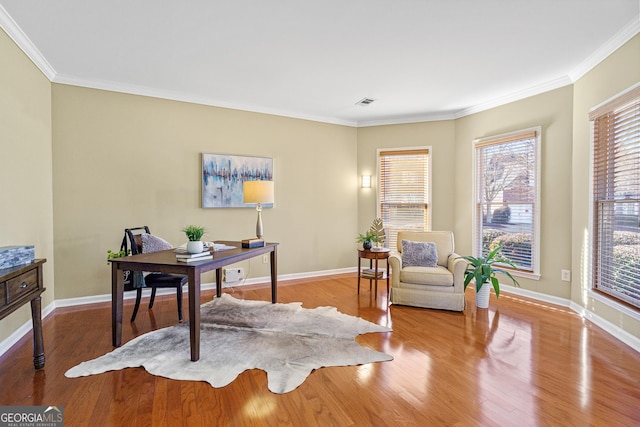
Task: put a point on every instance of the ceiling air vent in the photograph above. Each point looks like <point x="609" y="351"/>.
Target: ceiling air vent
<point x="365" y="101"/>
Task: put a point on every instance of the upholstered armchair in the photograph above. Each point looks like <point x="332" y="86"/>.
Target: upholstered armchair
<point x="428" y="273"/>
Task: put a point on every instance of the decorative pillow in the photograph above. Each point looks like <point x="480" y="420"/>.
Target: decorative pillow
<point x="421" y="254"/>
<point x="152" y="243"/>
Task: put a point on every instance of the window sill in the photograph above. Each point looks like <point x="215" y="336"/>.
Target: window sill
<point x="525" y="275"/>
<point x="597" y="296"/>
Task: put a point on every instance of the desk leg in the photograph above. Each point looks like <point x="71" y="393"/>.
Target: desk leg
<point x="218" y="282"/>
<point x="117" y="289"/>
<point x="274" y="275"/>
<point x="359" y="272"/>
<point x="194" y="313"/>
<point x="38" y="344"/>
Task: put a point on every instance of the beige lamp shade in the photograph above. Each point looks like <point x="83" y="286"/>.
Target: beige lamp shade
<point x="258" y="191"/>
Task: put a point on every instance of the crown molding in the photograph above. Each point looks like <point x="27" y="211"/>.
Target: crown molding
<point x="20" y="38"/>
<point x="610" y="46"/>
<point x="190" y="98"/>
<point x="516" y="96"/>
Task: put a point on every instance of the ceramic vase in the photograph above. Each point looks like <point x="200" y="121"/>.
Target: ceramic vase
<point x="482" y="296"/>
<point x="195" y="247"/>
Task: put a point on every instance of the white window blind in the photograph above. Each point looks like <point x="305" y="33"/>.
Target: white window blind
<point x="507" y="197"/>
<point x="403" y="191"/>
<point x="616" y="197"/>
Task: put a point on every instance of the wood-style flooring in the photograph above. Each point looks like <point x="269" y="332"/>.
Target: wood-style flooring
<point x="519" y="363"/>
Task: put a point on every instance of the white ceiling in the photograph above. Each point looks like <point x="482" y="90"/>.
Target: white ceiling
<point x="419" y="59"/>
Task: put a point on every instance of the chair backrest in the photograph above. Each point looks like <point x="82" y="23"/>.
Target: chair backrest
<point x="443" y="240"/>
<point x="133" y="240"/>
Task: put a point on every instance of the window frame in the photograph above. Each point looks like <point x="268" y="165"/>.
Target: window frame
<point x="612" y="104"/>
<point x="476" y="144"/>
<point x="429" y="150"/>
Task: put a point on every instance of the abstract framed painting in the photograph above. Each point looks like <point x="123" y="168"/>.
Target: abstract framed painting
<point x="223" y="176"/>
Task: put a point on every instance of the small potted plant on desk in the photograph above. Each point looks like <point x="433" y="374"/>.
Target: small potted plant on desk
<point x="483" y="270"/>
<point x="194" y="234"/>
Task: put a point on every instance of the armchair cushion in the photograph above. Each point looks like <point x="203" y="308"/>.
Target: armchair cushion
<point x="436" y="276"/>
<point x="420" y="254"/>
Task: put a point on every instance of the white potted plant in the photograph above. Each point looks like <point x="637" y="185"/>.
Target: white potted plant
<point x="483" y="270"/>
<point x="194" y="234"/>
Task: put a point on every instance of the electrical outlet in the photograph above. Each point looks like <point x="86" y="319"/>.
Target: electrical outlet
<point x="565" y="275"/>
<point x="265" y="259"/>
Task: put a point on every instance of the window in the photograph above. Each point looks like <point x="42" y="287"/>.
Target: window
<point x="507" y="198"/>
<point x="616" y="197"/>
<point x="403" y="191"/>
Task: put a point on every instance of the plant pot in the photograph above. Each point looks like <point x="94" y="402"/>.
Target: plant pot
<point x="195" y="247"/>
<point x="482" y="296"/>
<point x="366" y="245"/>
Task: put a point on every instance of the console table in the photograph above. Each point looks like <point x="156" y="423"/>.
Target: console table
<point x="18" y="286"/>
<point x="165" y="262"/>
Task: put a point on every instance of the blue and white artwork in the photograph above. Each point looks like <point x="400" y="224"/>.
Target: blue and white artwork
<point x="223" y="176"/>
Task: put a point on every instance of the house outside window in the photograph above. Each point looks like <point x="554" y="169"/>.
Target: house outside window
<point x="615" y="267"/>
<point x="507" y="198"/>
<point x="404" y="176"/>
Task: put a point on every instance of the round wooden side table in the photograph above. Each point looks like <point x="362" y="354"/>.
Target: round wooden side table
<point x="373" y="274"/>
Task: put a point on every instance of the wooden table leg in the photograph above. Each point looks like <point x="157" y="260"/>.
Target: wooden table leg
<point x="376" y="276"/>
<point x="194" y="313"/>
<point x="218" y="282"/>
<point x="117" y="290"/>
<point x="274" y="275"/>
<point x="38" y="344"/>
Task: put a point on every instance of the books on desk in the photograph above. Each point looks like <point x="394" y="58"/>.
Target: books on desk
<point x="187" y="257"/>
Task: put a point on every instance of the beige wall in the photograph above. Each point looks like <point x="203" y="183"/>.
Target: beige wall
<point x="440" y="136"/>
<point x="25" y="166"/>
<point x="618" y="72"/>
<point x="123" y="160"/>
<point x="551" y="111"/>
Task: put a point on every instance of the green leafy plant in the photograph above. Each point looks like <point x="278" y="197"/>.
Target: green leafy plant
<point x="193" y="232"/>
<point x="368" y="237"/>
<point x="484" y="269"/>
<point x="119" y="254"/>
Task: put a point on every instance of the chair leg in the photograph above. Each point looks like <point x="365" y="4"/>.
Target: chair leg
<point x="153" y="298"/>
<point x="135" y="308"/>
<point x="179" y="294"/>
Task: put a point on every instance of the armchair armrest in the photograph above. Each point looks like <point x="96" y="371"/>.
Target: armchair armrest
<point x="457" y="266"/>
<point x="395" y="262"/>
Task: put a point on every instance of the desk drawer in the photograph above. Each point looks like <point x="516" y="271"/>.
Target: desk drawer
<point x="21" y="285"/>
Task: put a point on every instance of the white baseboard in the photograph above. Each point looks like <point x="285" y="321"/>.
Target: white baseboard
<point x="631" y="340"/>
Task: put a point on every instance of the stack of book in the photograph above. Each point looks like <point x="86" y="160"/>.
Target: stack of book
<point x="187" y="257"/>
<point x="370" y="273"/>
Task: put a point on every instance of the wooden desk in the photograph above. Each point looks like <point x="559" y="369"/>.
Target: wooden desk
<point x="165" y="262"/>
<point x="18" y="286"/>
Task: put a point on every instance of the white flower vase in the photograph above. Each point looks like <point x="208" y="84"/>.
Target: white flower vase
<point x="482" y="296"/>
<point x="195" y="247"/>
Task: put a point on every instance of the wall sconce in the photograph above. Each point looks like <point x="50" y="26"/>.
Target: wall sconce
<point x="366" y="181"/>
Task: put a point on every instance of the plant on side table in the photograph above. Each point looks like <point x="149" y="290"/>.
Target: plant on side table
<point x="367" y="239"/>
<point x="483" y="270"/>
<point x="194" y="234"/>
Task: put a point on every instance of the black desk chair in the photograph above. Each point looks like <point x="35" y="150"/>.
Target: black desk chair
<point x="133" y="239"/>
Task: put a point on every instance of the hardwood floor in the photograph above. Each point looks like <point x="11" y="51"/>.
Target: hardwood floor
<point x="520" y="363"/>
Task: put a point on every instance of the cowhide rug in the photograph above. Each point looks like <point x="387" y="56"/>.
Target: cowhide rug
<point x="285" y="340"/>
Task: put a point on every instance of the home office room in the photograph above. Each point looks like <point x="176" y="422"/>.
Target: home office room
<point x="110" y="127"/>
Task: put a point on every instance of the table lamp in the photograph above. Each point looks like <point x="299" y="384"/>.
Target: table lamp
<point x="258" y="192"/>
